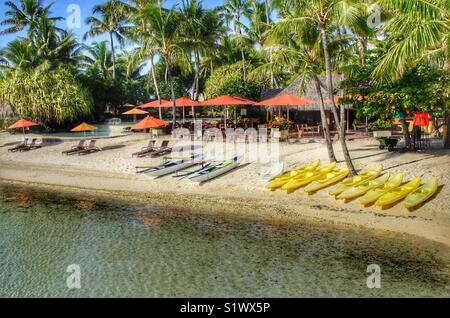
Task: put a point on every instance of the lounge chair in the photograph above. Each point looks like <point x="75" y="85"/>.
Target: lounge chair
<point x="31" y="146"/>
<point x="145" y="150"/>
<point x="74" y="149"/>
<point x="163" y="150"/>
<point x="19" y="146"/>
<point x="89" y="148"/>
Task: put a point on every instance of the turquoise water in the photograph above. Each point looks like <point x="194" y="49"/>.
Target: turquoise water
<point x="101" y="131"/>
<point x="125" y="249"/>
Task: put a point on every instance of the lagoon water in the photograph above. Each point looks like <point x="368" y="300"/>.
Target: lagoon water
<point x="135" y="250"/>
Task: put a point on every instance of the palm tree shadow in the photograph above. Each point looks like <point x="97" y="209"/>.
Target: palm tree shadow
<point x="439" y="190"/>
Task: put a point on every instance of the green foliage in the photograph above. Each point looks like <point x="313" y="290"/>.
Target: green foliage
<point x="51" y="97"/>
<point x="241" y="88"/>
<point x="178" y="87"/>
<point x="281" y="124"/>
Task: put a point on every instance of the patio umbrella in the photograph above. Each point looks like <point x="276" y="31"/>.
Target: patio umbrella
<point x="22" y="123"/>
<point x="154" y="104"/>
<point x="129" y="105"/>
<point x="83" y="127"/>
<point x="183" y="102"/>
<point x="227" y="101"/>
<point x="135" y="111"/>
<point x="149" y="122"/>
<point x="285" y="100"/>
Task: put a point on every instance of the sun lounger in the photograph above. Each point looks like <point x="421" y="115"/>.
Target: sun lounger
<point x="19" y="146"/>
<point x="90" y="148"/>
<point x="74" y="149"/>
<point x="31" y="146"/>
<point x="163" y="150"/>
<point x="146" y="150"/>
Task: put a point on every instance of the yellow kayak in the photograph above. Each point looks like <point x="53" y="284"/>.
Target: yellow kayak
<point x="363" y="188"/>
<point x="278" y="182"/>
<point x="422" y="194"/>
<point x="376" y="193"/>
<point x="327" y="180"/>
<point x="306" y="177"/>
<point x="398" y="193"/>
<point x="357" y="180"/>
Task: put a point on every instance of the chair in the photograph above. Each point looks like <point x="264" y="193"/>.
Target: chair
<point x="19" y="146"/>
<point x="163" y="150"/>
<point x="32" y="145"/>
<point x="90" y="148"/>
<point x="145" y="150"/>
<point x="76" y="148"/>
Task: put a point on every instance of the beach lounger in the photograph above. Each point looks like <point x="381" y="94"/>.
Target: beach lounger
<point x="74" y="149"/>
<point x="19" y="146"/>
<point x="163" y="150"/>
<point x="146" y="150"/>
<point x="90" y="148"/>
<point x="31" y="146"/>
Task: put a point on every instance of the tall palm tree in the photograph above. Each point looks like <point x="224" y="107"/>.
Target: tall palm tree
<point x="110" y="20"/>
<point x="164" y="35"/>
<point x="19" y="54"/>
<point x="99" y="59"/>
<point x="25" y="14"/>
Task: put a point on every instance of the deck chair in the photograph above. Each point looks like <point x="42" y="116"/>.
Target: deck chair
<point x="19" y="146"/>
<point x="163" y="150"/>
<point x="31" y="146"/>
<point x="76" y="148"/>
<point x="145" y="150"/>
<point x="89" y="148"/>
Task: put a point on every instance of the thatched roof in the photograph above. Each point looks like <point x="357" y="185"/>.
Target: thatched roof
<point x="309" y="92"/>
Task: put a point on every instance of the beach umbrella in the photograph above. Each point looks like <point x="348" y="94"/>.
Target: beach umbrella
<point x="183" y="102"/>
<point x="287" y="100"/>
<point x="149" y="122"/>
<point x="154" y="104"/>
<point x="83" y="127"/>
<point x="22" y="123"/>
<point x="135" y="111"/>
<point x="228" y="101"/>
<point x="129" y="105"/>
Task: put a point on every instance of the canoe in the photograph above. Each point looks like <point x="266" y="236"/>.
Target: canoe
<point x="286" y="177"/>
<point x="307" y="177"/>
<point x="422" y="194"/>
<point x="398" y="193"/>
<point x="172" y="166"/>
<point x="357" y="180"/>
<point x="276" y="170"/>
<point x="376" y="193"/>
<point x="327" y="180"/>
<point x="216" y="170"/>
<point x="363" y="188"/>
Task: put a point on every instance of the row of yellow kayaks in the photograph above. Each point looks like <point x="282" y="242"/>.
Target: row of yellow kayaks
<point x="382" y="190"/>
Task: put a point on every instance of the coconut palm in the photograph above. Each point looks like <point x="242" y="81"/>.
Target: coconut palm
<point x="98" y="59"/>
<point x="25" y="14"/>
<point x="111" y="20"/>
<point x="19" y="54"/>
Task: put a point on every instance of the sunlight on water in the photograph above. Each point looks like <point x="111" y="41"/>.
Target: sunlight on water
<point x="126" y="249"/>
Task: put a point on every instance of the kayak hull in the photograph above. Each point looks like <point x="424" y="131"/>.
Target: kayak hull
<point x="213" y="172"/>
<point x="173" y="166"/>
<point x="398" y="193"/>
<point x="422" y="194"/>
<point x="363" y="188"/>
<point x="374" y="194"/>
<point x="327" y="180"/>
<point x="288" y="176"/>
<point x="357" y="180"/>
<point x="307" y="178"/>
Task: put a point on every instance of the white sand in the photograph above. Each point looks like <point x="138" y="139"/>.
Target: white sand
<point x="241" y="192"/>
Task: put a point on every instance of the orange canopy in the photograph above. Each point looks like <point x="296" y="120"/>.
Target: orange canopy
<point x="22" y="124"/>
<point x="149" y="122"/>
<point x="84" y="127"/>
<point x="286" y="100"/>
<point x="182" y="102"/>
<point x="227" y="101"/>
<point x="153" y="104"/>
<point x="135" y="111"/>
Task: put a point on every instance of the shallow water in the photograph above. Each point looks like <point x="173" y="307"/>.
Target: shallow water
<point x="127" y="250"/>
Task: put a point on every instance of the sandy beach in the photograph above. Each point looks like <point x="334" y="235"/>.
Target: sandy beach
<point x="241" y="192"/>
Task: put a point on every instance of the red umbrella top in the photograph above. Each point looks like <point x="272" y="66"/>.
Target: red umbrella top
<point x="286" y="100"/>
<point x="153" y="104"/>
<point x="22" y="124"/>
<point x="149" y="122"/>
<point x="182" y="102"/>
<point x="227" y="101"/>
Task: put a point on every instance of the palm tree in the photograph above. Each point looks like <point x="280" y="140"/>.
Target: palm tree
<point x="111" y="20"/>
<point x="164" y="36"/>
<point x="18" y="54"/>
<point x="25" y="14"/>
<point x="99" y="59"/>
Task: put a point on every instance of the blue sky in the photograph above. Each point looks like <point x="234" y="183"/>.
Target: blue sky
<point x="60" y="9"/>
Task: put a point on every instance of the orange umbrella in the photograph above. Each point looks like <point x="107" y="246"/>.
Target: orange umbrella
<point x="285" y="100"/>
<point x="22" y="123"/>
<point x="227" y="101"/>
<point x="149" y="122"/>
<point x="153" y="104"/>
<point x="135" y="111"/>
<point x="183" y="102"/>
<point x="83" y="127"/>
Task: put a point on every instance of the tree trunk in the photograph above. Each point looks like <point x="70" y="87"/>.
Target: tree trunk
<point x="195" y="84"/>
<point x="406" y="134"/>
<point x="113" y="52"/>
<point x="172" y="93"/>
<point x="326" y="53"/>
<point x="446" y="133"/>
<point x="155" y="83"/>
<point x="244" y="67"/>
<point x="326" y="128"/>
